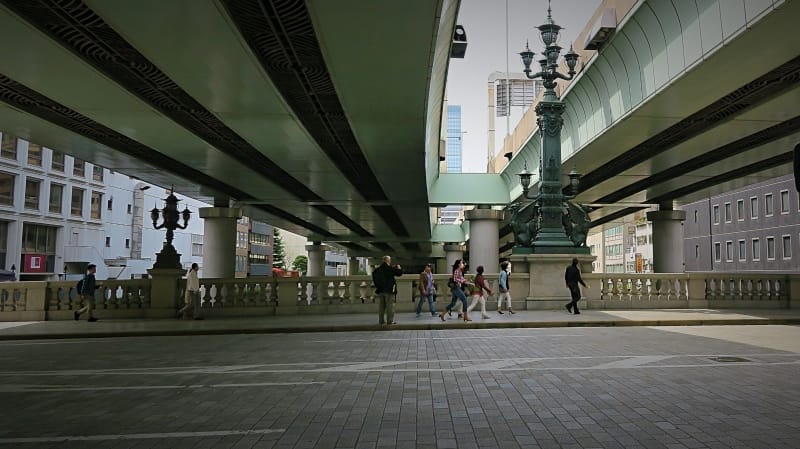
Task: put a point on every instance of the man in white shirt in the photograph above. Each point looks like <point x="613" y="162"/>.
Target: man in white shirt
<point x="191" y="299"/>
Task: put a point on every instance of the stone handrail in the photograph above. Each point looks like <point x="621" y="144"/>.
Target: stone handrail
<point x="41" y="300"/>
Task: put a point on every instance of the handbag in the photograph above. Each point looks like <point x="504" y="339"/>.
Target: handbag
<point x="451" y="284"/>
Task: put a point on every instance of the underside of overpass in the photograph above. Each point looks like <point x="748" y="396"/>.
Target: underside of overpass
<point x="312" y="115"/>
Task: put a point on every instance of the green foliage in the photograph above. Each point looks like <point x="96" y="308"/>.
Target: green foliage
<point x="300" y="264"/>
<point x="278" y="253"/>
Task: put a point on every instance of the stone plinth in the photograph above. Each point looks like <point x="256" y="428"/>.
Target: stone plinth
<point x="546" y="283"/>
<point x="165" y="290"/>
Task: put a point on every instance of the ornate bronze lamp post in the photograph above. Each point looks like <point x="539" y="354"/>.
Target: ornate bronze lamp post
<point x="169" y="257"/>
<point x="550" y="235"/>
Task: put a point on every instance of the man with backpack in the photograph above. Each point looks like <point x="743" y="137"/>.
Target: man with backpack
<point x="86" y="287"/>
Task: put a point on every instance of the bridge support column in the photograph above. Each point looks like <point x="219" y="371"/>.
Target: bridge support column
<point x="316" y="259"/>
<point x="452" y="252"/>
<point x="667" y="239"/>
<point x="219" y="241"/>
<point x="484" y="241"/>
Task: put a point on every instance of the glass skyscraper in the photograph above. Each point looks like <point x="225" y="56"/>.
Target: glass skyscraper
<point x="453" y="156"/>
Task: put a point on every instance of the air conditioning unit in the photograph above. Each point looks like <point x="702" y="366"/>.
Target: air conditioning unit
<point x="602" y="30"/>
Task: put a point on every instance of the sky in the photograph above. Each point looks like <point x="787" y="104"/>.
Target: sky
<point x="485" y="24"/>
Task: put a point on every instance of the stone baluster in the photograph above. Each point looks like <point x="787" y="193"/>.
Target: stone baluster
<point x="347" y="296"/>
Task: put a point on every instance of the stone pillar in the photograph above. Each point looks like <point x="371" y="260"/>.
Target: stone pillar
<point x="547" y="290"/>
<point x="352" y="266"/>
<point x="667" y="240"/>
<point x="165" y="295"/>
<point x="219" y="241"/>
<point x="484" y="239"/>
<point x="452" y="252"/>
<point x="316" y="259"/>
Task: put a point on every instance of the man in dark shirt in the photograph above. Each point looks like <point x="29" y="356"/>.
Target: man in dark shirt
<point x="88" y="286"/>
<point x="383" y="278"/>
<point x="572" y="277"/>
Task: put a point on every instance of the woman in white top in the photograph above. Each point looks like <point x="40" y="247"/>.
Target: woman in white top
<point x="191" y="307"/>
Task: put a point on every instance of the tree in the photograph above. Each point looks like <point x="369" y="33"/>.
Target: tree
<point x="278" y="254"/>
<point x="300" y="264"/>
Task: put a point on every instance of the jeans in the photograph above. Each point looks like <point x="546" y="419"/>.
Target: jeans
<point x="575" y="292"/>
<point x="431" y="307"/>
<point x="458" y="294"/>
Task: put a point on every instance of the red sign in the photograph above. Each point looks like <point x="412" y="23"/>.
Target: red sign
<point x="34" y="263"/>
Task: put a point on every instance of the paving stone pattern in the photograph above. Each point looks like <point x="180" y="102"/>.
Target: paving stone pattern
<point x="471" y="388"/>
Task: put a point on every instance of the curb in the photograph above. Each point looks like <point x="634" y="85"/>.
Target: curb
<point x="400" y="327"/>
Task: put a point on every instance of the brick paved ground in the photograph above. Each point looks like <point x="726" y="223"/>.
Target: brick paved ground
<point x="473" y="388"/>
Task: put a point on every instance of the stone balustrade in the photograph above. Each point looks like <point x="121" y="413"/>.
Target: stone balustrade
<point x="134" y="298"/>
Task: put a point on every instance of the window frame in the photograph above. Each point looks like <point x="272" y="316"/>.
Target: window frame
<point x="38" y="182"/>
<point x="728" y="250"/>
<point x="740" y="209"/>
<point x="13" y="188"/>
<point x="78" y="173"/>
<point x="96" y="205"/>
<point x="755" y="249"/>
<point x="72" y="197"/>
<point x="715" y="214"/>
<point x="785" y="204"/>
<point x="10" y="155"/>
<point x="753" y="212"/>
<point x="717" y="251"/>
<point x="728" y="212"/>
<point x="40" y="152"/>
<point x="771" y="239"/>
<point x="60" y="202"/>
<point x="58" y="163"/>
<point x="784" y="238"/>
<point x="742" y="246"/>
<point x="769" y="205"/>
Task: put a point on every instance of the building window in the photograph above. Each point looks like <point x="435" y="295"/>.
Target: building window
<point x="770" y="248"/>
<point x="727" y="212"/>
<point x="38" y="248"/>
<point x="3" y="242"/>
<point x="755" y="249"/>
<point x="7" y="189"/>
<point x="97" y="200"/>
<point x="740" y="210"/>
<point x="108" y="242"/>
<point x="768" y="205"/>
<point x="78" y="168"/>
<point x="56" y="198"/>
<point x="729" y="251"/>
<point x="130" y="209"/>
<point x="97" y="173"/>
<point x="32" y="187"/>
<point x="742" y="251"/>
<point x="787" y="246"/>
<point x="110" y="204"/>
<point x="717" y="252"/>
<point x="34" y="155"/>
<point x="784" y="201"/>
<point x="696" y="251"/>
<point x="695" y="216"/>
<point x="716" y="214"/>
<point x="127" y="243"/>
<point x="76" y="205"/>
<point x="241" y="263"/>
<point x="57" y="164"/>
<point x="8" y="147"/>
<point x="753" y="207"/>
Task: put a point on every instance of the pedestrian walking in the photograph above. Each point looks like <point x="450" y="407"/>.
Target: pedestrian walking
<point x="427" y="288"/>
<point x="572" y="277"/>
<point x="456" y="284"/>
<point x="86" y="288"/>
<point x="477" y="293"/>
<point x="386" y="288"/>
<point x="504" y="290"/>
<point x="191" y="300"/>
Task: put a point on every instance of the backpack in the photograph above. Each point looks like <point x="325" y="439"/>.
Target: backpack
<point x="79" y="286"/>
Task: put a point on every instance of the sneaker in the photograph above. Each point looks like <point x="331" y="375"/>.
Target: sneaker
<point x="569" y="308"/>
<point x="76" y="315"/>
<point x="92" y="319"/>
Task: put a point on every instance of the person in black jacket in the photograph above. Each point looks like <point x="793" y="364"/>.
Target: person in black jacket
<point x="572" y="277"/>
<point x="88" y="286"/>
<point x="385" y="288"/>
